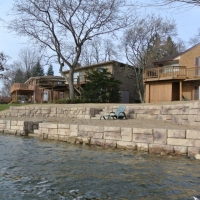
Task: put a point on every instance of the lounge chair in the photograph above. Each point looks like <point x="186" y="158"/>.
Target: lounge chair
<point x="184" y="99"/>
<point x="118" y="114"/>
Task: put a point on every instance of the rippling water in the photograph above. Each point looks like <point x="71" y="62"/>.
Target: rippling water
<point x="33" y="169"/>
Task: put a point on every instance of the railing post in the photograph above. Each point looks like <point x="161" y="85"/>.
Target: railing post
<point x="180" y="95"/>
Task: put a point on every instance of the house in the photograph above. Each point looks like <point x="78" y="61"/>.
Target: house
<point x="174" y="78"/>
<point x="5" y="99"/>
<point x="119" y="72"/>
<point x="39" y="89"/>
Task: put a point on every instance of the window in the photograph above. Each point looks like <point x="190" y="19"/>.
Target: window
<point x="76" y="76"/>
<point x="197" y="61"/>
<point x="100" y="69"/>
<point x="197" y="65"/>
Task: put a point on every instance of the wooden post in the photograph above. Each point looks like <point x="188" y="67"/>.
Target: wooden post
<point x="158" y="73"/>
<point x="180" y="88"/>
<point x="51" y="95"/>
<point x="147" y="93"/>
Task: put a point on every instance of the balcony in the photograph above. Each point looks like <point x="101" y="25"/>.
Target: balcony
<point x="21" y="86"/>
<point x="193" y="73"/>
<point x="165" y="73"/>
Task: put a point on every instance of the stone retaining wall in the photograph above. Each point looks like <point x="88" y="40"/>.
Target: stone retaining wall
<point x="164" y="141"/>
<point x="181" y="113"/>
<point x="182" y="142"/>
<point x="53" y="111"/>
<point x="18" y="127"/>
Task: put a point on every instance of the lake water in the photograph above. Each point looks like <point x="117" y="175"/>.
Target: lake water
<point x="34" y="169"/>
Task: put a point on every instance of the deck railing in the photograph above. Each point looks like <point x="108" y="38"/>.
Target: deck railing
<point x="21" y="86"/>
<point x="193" y="73"/>
<point x="165" y="72"/>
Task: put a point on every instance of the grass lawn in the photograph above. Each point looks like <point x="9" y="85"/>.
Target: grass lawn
<point x="7" y="106"/>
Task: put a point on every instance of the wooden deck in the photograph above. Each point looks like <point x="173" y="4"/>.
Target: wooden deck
<point x="171" y="73"/>
<point x="21" y="86"/>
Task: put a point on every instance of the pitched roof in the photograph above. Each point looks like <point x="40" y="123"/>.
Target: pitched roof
<point x="168" y="58"/>
<point x="174" y="55"/>
<point x="93" y="65"/>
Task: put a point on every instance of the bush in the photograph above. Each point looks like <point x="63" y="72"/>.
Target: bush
<point x="69" y="101"/>
<point x="101" y="87"/>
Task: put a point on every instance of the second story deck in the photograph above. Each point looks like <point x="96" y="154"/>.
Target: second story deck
<point x="21" y="86"/>
<point x="171" y="73"/>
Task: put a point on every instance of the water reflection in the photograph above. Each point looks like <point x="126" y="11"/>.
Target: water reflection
<point x="32" y="169"/>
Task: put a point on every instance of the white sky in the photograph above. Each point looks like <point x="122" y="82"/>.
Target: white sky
<point x="187" y="24"/>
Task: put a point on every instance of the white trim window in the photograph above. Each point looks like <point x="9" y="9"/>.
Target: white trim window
<point x="197" y="65"/>
<point x="197" y="61"/>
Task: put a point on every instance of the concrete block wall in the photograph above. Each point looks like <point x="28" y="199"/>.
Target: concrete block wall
<point x="84" y="113"/>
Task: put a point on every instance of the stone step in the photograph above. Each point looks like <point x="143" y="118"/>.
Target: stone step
<point x="98" y="115"/>
<point x="95" y="117"/>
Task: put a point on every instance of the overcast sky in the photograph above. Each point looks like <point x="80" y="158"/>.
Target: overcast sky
<point x="187" y="21"/>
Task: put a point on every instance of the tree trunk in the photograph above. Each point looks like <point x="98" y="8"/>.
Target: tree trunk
<point x="71" y="83"/>
<point x="69" y="79"/>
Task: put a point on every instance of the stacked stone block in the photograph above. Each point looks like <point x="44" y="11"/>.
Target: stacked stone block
<point x="164" y="141"/>
<point x="181" y="113"/>
<point x="18" y="127"/>
<point x="186" y="113"/>
<point x="12" y="127"/>
<point x="73" y="112"/>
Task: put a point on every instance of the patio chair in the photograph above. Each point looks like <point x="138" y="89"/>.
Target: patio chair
<point x="118" y="114"/>
<point x="184" y="99"/>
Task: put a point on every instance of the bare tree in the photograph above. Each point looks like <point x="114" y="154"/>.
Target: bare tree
<point x="28" y="58"/>
<point x="167" y="2"/>
<point x="9" y="77"/>
<point x="98" y="50"/>
<point x="196" y="39"/>
<point x="3" y="60"/>
<point x="86" y="57"/>
<point x="141" y="44"/>
<point x="64" y="26"/>
<point x="110" y="52"/>
<point x="96" y="46"/>
<point x="8" y="80"/>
